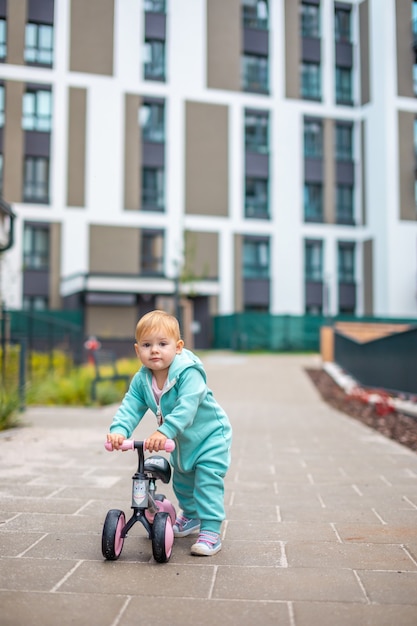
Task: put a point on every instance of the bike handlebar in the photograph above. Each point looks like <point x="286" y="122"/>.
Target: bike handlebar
<point x="131" y="444"/>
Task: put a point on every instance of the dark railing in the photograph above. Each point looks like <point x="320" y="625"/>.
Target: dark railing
<point x="24" y="333"/>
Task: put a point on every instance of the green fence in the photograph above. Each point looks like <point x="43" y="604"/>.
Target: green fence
<point x="25" y="333"/>
<point x="280" y="333"/>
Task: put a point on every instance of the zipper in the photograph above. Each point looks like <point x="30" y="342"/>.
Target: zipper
<point x="159" y="413"/>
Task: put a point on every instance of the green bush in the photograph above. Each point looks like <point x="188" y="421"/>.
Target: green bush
<point x="9" y="407"/>
<point x="52" y="379"/>
<point x="73" y="389"/>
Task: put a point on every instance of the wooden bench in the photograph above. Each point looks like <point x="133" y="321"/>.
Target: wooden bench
<point x="105" y="359"/>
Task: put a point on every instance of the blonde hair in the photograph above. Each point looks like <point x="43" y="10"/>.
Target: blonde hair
<point x="156" y="321"/>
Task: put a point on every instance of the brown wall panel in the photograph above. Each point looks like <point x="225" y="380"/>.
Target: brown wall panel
<point x="16" y="24"/>
<point x="111" y="321"/>
<point x="406" y="166"/>
<point x="329" y="183"/>
<point x="76" y="146"/>
<point x="13" y="143"/>
<point x="405" y="53"/>
<point x="201" y="255"/>
<point x="364" y="51"/>
<point x="238" y="257"/>
<point x="55" y="265"/>
<point x="368" y="277"/>
<point x="114" y="249"/>
<point x="206" y="160"/>
<point x="292" y="50"/>
<point x="224" y="32"/>
<point x="91" y="39"/>
<point x="133" y="154"/>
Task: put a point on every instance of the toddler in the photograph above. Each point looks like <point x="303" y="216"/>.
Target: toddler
<point x="172" y="383"/>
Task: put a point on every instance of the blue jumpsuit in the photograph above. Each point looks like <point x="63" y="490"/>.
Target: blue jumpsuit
<point x="189" y="414"/>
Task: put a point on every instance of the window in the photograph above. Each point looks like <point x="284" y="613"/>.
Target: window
<point x="310" y="20"/>
<point x="255" y="73"/>
<point x="346" y="262"/>
<point x="152" y="252"/>
<point x="342" y="28"/>
<point x="256" y="198"/>
<point x="154" y="6"/>
<point x="255" y="258"/>
<point x="154" y="60"/>
<point x="313" y="261"/>
<point x="153" y="188"/>
<point x="36" y="180"/>
<point x="313" y="139"/>
<point x="344" y="142"/>
<point x="344" y="204"/>
<point x="35" y="303"/>
<point x="1" y="106"/>
<point x="313" y="202"/>
<point x="310" y="81"/>
<point x="3" y="39"/>
<point x="37" y="110"/>
<point x="257" y="131"/>
<point x="39" y="44"/>
<point x="255" y="14"/>
<point x="36" y="247"/>
<point x="152" y="121"/>
<point x="344" y="85"/>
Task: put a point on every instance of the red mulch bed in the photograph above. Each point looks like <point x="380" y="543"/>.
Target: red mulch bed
<point x="397" y="426"/>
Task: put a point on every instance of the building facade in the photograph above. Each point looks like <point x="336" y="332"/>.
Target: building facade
<point x="230" y="155"/>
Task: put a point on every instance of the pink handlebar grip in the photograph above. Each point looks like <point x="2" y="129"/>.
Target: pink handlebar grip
<point x="129" y="444"/>
<point x="169" y="445"/>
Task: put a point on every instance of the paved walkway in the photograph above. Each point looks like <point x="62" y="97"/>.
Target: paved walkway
<point x="321" y="528"/>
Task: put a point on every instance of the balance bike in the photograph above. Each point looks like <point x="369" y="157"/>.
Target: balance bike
<point x="154" y="511"/>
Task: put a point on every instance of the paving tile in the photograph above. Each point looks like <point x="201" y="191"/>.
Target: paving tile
<point x="263" y="583"/>
<point x="349" y="614"/>
<point x="40" y="505"/>
<point x="51" y="609"/>
<point x="142" y="579"/>
<point x="65" y="546"/>
<point x="353" y="556"/>
<point x="180" y="611"/>
<point x="245" y="553"/>
<point x="13" y="544"/>
<point x="376" y="533"/>
<point x="39" y="522"/>
<point x="23" y="574"/>
<point x="390" y="587"/>
<point x="237" y="512"/>
<point x="299" y="513"/>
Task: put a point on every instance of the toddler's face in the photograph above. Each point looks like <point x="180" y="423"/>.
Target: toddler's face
<point x="157" y="351"/>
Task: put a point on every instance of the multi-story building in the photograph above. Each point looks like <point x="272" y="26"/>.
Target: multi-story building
<point x="244" y="154"/>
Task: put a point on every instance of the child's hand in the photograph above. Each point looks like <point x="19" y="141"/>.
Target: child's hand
<point x="116" y="440"/>
<point x="156" y="442"/>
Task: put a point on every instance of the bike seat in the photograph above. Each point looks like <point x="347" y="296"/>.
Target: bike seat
<point x="158" y="467"/>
